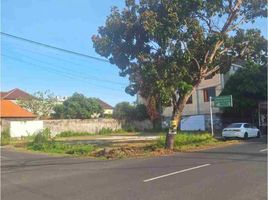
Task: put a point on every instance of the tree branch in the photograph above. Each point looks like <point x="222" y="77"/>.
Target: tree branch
<point x="232" y="16"/>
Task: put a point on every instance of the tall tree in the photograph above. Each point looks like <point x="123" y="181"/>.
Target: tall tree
<point x="248" y="86"/>
<point x="41" y="103"/>
<point x="168" y="46"/>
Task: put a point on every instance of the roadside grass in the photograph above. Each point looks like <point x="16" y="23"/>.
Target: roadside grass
<point x="5" y="137"/>
<point x="189" y="141"/>
<point x="183" y="142"/>
<point x="103" y="131"/>
<point x="43" y="142"/>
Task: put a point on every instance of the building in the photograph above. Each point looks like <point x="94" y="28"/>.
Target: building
<point x="107" y="109"/>
<point x="15" y="94"/>
<point x="11" y="111"/>
<point x="196" y="113"/>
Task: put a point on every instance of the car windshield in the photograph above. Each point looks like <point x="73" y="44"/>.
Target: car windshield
<point x="236" y="125"/>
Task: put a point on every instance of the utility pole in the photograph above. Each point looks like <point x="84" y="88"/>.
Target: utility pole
<point x="211" y="116"/>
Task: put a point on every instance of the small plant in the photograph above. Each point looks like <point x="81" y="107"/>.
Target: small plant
<point x="105" y="131"/>
<point x="5" y="137"/>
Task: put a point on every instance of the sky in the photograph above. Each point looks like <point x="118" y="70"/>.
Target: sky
<point x="67" y="24"/>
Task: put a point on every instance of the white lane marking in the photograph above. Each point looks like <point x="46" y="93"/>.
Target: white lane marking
<point x="263" y="150"/>
<point x="177" y="172"/>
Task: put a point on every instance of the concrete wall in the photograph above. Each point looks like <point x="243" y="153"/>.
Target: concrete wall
<point x="91" y="125"/>
<point x="5" y="122"/>
<point x="25" y="128"/>
<point x="79" y="125"/>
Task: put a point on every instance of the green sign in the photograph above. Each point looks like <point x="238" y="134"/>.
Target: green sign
<point x="223" y="101"/>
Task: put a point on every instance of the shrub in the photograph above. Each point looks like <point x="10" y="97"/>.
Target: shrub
<point x="42" y="137"/>
<point x="126" y="111"/>
<point x="5" y="137"/>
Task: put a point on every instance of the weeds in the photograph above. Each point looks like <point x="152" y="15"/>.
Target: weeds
<point x="5" y="137"/>
<point x="184" y="140"/>
<point x="44" y="143"/>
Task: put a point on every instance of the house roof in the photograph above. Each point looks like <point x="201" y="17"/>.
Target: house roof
<point x="104" y="105"/>
<point x="8" y="109"/>
<point x="15" y="94"/>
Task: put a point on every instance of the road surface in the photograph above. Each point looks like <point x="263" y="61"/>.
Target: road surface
<point x="237" y="172"/>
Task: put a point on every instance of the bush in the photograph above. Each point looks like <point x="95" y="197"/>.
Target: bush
<point x="5" y="137"/>
<point x="126" y="111"/>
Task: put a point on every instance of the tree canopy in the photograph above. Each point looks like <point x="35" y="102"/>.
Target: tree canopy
<point x="77" y="107"/>
<point x="126" y="111"/>
<point x="166" y="47"/>
<point x="248" y="86"/>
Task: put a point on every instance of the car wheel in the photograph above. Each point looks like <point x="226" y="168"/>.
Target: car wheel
<point x="246" y="136"/>
<point x="258" y="134"/>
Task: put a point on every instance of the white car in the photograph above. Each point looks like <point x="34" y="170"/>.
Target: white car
<point x="241" y="130"/>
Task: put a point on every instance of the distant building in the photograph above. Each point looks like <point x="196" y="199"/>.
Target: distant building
<point x="12" y="111"/>
<point x="15" y="94"/>
<point x="107" y="109"/>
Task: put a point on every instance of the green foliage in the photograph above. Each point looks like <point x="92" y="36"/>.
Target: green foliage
<point x="41" y="104"/>
<point x="42" y="137"/>
<point x="43" y="142"/>
<point x="248" y="86"/>
<point x="128" y="112"/>
<point x="103" y="131"/>
<point x="5" y="137"/>
<point x="186" y="139"/>
<point x="73" y="134"/>
<point x="77" y="107"/>
<point x="168" y="47"/>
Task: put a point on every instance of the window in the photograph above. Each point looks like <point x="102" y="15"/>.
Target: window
<point x="235" y="125"/>
<point x="190" y="100"/>
<point x="246" y="126"/>
<point x="209" y="92"/>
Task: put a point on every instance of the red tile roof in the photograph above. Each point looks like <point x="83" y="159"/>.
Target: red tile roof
<point x="104" y="105"/>
<point x="8" y="109"/>
<point x="15" y="94"/>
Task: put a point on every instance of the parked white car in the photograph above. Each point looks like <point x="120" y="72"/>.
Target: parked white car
<point x="241" y="130"/>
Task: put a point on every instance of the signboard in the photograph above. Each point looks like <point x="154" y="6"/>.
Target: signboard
<point x="223" y="101"/>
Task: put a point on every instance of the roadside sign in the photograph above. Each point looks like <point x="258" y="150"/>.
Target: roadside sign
<point x="223" y="101"/>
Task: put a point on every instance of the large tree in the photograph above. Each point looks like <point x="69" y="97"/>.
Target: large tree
<point x="248" y="86"/>
<point x="167" y="47"/>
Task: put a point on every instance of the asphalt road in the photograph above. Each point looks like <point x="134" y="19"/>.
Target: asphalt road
<point x="237" y="172"/>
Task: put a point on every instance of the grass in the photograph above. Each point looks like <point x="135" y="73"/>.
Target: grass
<point x="184" y="141"/>
<point x="5" y="137"/>
<point x="103" y="131"/>
<point x="43" y="142"/>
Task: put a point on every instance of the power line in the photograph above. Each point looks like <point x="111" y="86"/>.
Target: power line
<point x="53" y="47"/>
<point x="49" y="56"/>
<point x="61" y="73"/>
<point x="73" y="72"/>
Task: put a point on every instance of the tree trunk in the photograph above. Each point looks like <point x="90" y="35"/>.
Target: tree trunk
<point x="176" y="118"/>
